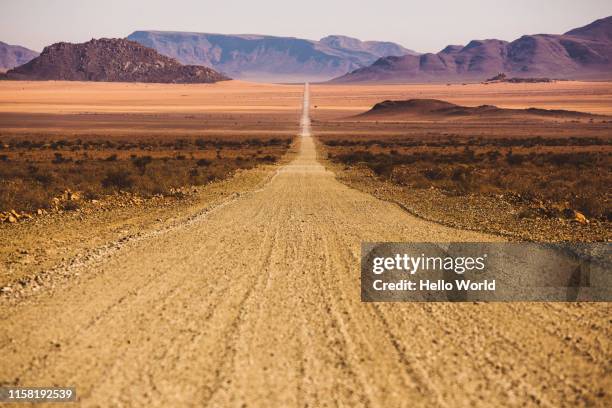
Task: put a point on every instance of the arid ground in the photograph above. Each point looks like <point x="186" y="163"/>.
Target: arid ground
<point x="245" y="292"/>
<point x="595" y="97"/>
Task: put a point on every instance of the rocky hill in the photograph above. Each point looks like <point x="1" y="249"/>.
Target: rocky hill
<point x="111" y="60"/>
<point x="268" y="58"/>
<point x="12" y="56"/>
<point x="435" y="109"/>
<point x="582" y="53"/>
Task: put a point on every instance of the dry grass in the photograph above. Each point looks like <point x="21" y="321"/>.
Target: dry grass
<point x="33" y="172"/>
<point x="557" y="174"/>
<point x="576" y="180"/>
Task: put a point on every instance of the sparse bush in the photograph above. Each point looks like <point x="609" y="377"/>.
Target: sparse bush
<point x="46" y="179"/>
<point x="434" y="174"/>
<point x="141" y="163"/>
<point x="268" y="158"/>
<point x="514" y="159"/>
<point x="59" y="158"/>
<point x="33" y="177"/>
<point x="71" y="206"/>
<point x="121" y="179"/>
<point x="181" y="144"/>
<point x="383" y="168"/>
<point x="544" y="169"/>
<point x="200" y="143"/>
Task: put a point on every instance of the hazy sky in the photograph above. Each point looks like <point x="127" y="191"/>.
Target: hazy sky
<point x="424" y="25"/>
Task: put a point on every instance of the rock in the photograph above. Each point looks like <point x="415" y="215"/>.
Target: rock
<point x="580" y="218"/>
<point x="110" y="60"/>
<point x="12" y="219"/>
<point x="6" y="289"/>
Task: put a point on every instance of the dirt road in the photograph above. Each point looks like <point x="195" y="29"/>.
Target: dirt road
<point x="257" y="304"/>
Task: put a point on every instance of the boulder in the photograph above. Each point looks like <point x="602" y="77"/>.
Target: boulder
<point x="580" y="218"/>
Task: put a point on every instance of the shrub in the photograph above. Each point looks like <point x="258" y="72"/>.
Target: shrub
<point x="58" y="158"/>
<point x="463" y="177"/>
<point x="383" y="167"/>
<point x="121" y="179"/>
<point x="434" y="174"/>
<point x="201" y="143"/>
<point x="513" y="159"/>
<point x="71" y="206"/>
<point x="268" y="158"/>
<point x="46" y="179"/>
<point x="141" y="163"/>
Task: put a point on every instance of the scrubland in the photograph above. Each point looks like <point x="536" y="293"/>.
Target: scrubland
<point x="528" y="177"/>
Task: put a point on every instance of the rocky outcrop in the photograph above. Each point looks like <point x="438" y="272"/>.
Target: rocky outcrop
<point x="437" y="109"/>
<point x="110" y="60"/>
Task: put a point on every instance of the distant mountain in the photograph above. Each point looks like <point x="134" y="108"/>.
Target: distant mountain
<point x="267" y="58"/>
<point x="12" y="56"/>
<point x="598" y="30"/>
<point x="375" y="48"/>
<point x="582" y="53"/>
<point x="112" y="60"/>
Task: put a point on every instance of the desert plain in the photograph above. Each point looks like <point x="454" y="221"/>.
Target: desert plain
<point x="237" y="283"/>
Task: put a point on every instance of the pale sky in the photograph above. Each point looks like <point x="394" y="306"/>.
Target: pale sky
<point x="423" y="25"/>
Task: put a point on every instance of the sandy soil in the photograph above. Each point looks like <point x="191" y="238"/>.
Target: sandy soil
<point x="256" y="303"/>
<point x="332" y="101"/>
<point x="108" y="97"/>
<point x="136" y="110"/>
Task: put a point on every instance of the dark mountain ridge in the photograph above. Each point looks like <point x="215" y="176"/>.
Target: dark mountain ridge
<point x="110" y="60"/>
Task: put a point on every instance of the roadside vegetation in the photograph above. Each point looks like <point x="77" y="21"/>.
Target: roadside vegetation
<point x="556" y="176"/>
<point x="34" y="171"/>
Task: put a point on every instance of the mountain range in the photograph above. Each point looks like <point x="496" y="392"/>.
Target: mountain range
<point x="158" y="56"/>
<point x="110" y="60"/>
<point x="268" y="58"/>
<point x="12" y="56"/>
<point x="581" y="53"/>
